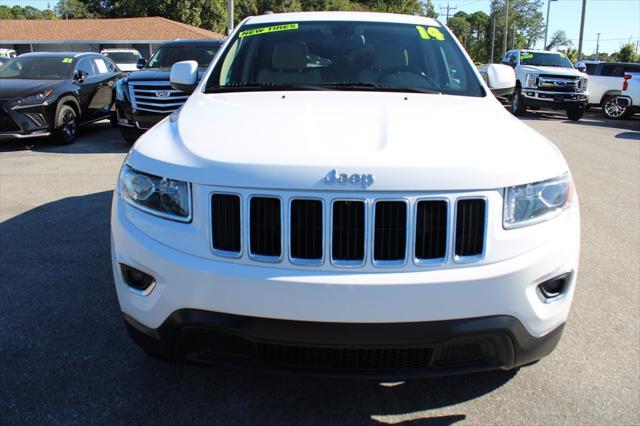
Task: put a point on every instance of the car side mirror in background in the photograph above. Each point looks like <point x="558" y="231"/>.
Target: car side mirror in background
<point x="79" y="76"/>
<point x="184" y="76"/>
<point x="500" y="78"/>
<point x="141" y="63"/>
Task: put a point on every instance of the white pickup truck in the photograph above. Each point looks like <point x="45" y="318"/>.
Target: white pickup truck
<point x="334" y="197"/>
<point x="605" y="85"/>
<point x="630" y="97"/>
<point x="547" y="80"/>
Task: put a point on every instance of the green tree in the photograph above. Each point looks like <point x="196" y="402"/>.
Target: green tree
<point x="558" y="39"/>
<point x="428" y="9"/>
<point x="5" y="12"/>
<point x="73" y="9"/>
<point x="461" y="28"/>
<point x="627" y="53"/>
<point x="17" y="12"/>
<point x="525" y="16"/>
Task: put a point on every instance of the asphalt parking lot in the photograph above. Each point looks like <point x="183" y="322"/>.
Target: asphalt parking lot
<point x="65" y="356"/>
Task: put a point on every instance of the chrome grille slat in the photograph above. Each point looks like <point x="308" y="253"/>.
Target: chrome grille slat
<point x="143" y="96"/>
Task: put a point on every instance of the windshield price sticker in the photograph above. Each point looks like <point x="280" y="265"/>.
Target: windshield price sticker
<point x="67" y="60"/>
<point x="266" y="30"/>
<point x="526" y="56"/>
<point x="430" y="33"/>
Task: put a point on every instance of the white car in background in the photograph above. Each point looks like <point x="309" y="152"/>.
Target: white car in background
<point x="125" y="59"/>
<point x="343" y="194"/>
<point x="605" y="85"/>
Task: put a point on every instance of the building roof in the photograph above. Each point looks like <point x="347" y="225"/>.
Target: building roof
<point x="105" y="30"/>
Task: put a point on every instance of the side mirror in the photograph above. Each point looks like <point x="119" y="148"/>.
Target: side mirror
<point x="581" y="68"/>
<point x="501" y="79"/>
<point x="141" y="63"/>
<point x="184" y="76"/>
<point x="79" y="76"/>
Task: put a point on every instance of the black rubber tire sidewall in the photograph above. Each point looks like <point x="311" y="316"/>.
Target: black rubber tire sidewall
<point x="521" y="108"/>
<point x="60" y="137"/>
<point x="575" y="114"/>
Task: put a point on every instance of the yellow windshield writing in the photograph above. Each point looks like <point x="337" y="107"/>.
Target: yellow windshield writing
<point x="67" y="60"/>
<point x="266" y="30"/>
<point x="526" y="56"/>
<point x="430" y="33"/>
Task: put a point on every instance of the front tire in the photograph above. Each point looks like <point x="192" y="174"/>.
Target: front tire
<point x="66" y="125"/>
<point x="612" y="110"/>
<point x="575" y="114"/>
<point x="518" y="106"/>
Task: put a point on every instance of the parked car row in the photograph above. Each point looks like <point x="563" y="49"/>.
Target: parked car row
<point x="51" y="94"/>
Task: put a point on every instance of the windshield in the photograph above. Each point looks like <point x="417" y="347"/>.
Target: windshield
<point x="545" y="59"/>
<point x="34" y="68"/>
<point x="123" y="57"/>
<point x="166" y="56"/>
<point x="344" y="56"/>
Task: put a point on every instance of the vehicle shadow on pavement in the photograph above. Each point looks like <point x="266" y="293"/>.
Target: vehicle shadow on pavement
<point x="96" y="138"/>
<point x="590" y="119"/>
<point x="66" y="357"/>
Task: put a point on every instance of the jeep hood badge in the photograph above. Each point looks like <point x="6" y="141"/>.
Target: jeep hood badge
<point x="364" y="180"/>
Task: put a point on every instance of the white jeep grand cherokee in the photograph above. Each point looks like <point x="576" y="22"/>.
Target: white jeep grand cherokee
<point x="342" y="194"/>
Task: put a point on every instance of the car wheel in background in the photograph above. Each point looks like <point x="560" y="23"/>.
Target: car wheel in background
<point x="130" y="135"/>
<point x="66" y="125"/>
<point x="518" y="106"/>
<point x="612" y="109"/>
<point x="575" y="114"/>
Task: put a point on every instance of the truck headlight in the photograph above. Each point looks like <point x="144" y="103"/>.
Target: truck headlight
<point x="161" y="196"/>
<point x="536" y="202"/>
<point x="584" y="84"/>
<point x="531" y="80"/>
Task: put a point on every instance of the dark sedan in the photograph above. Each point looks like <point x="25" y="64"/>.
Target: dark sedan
<point x="51" y="94"/>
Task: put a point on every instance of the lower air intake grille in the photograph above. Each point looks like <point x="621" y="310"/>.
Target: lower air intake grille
<point x="265" y="227"/>
<point x="431" y="230"/>
<point x="345" y="358"/>
<point x="390" y="232"/>
<point x="348" y="231"/>
<point x="470" y="221"/>
<point x="225" y="217"/>
<point x="306" y="229"/>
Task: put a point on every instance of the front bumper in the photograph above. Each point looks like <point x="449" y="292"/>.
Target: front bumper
<point x="26" y="122"/>
<point x="381" y="351"/>
<point x="554" y="99"/>
<point x="136" y="120"/>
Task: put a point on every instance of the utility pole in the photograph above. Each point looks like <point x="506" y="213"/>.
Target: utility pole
<point x="546" y="25"/>
<point x="448" y="8"/>
<point x="584" y="9"/>
<point x="598" y="46"/>
<point x="506" y="27"/>
<point x="229" y="16"/>
<point x="493" y="38"/>
<point x="513" y="39"/>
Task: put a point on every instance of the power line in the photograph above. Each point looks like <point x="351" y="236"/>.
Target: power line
<point x="447" y="9"/>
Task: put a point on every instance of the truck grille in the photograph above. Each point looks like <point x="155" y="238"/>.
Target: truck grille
<point x="558" y="84"/>
<point x="387" y="232"/>
<point x="156" y="96"/>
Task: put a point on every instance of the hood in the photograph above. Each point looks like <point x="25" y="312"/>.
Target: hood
<point x="127" y="67"/>
<point x="291" y="140"/>
<point x="570" y="72"/>
<point x="159" y="74"/>
<point x="17" y="88"/>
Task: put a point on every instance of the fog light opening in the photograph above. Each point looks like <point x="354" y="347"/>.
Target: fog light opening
<point x="555" y="287"/>
<point x="139" y="281"/>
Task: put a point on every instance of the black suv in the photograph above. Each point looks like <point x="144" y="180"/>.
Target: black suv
<point x="51" y="94"/>
<point x="145" y="97"/>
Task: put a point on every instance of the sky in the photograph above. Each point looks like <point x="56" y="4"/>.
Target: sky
<point x="617" y="21"/>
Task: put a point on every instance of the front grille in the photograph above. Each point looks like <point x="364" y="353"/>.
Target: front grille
<point x="304" y="231"/>
<point x="431" y="230"/>
<point x="265" y="230"/>
<point x="225" y="218"/>
<point x="348" y="231"/>
<point x="470" y="220"/>
<point x="6" y="123"/>
<point x="463" y="353"/>
<point x="156" y="96"/>
<point x="558" y="83"/>
<point x="390" y="231"/>
<point x="345" y="358"/>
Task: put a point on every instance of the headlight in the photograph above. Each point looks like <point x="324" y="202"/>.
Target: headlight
<point x="536" y="202"/>
<point x="584" y="83"/>
<point x="157" y="195"/>
<point x="36" y="99"/>
<point x="531" y="80"/>
<point x="119" y="90"/>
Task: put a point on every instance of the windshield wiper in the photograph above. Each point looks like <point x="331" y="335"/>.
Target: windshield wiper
<point x="360" y="85"/>
<point x="254" y="86"/>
